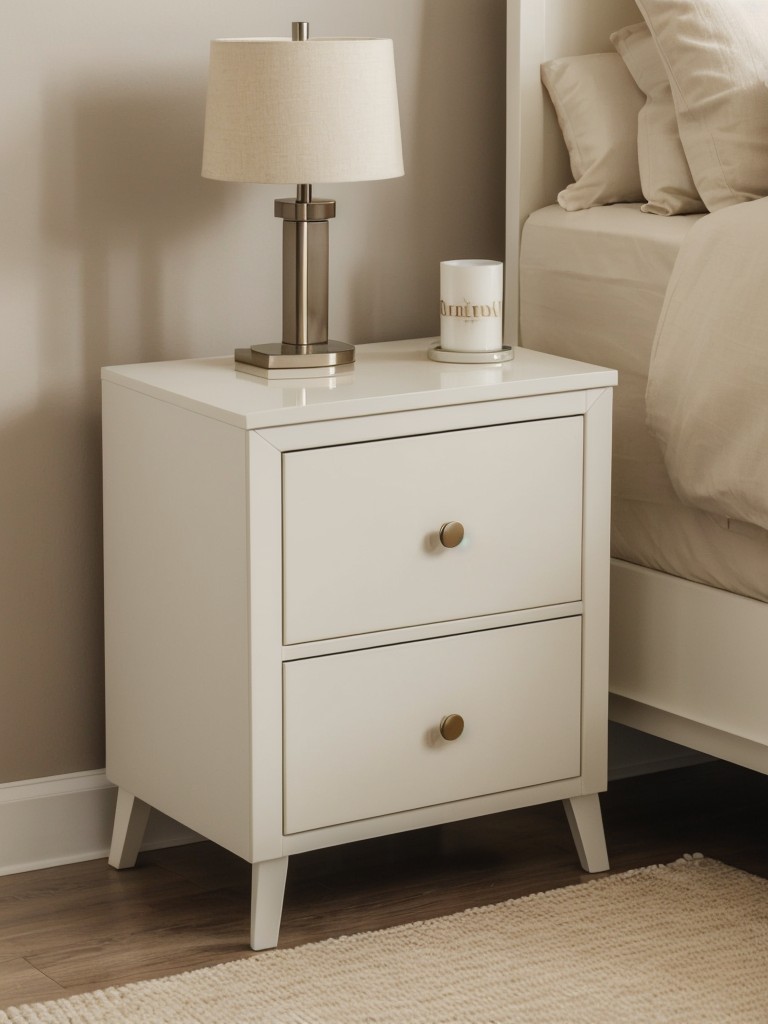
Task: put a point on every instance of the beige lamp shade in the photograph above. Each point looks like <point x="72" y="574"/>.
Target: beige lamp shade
<point x="321" y="110"/>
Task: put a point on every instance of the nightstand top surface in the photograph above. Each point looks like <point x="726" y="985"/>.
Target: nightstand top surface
<point x="393" y="376"/>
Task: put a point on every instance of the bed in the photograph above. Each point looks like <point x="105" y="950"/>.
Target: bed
<point x="593" y="272"/>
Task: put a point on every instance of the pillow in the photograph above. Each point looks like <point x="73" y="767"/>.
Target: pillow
<point x="597" y="103"/>
<point x="665" y="176"/>
<point x="716" y="56"/>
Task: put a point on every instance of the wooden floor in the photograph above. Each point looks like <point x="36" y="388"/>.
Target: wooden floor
<point x="86" y="926"/>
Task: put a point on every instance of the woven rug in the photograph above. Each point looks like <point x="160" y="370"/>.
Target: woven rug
<point x="685" y="942"/>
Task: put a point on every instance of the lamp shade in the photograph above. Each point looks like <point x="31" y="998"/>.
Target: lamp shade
<point x="321" y="110"/>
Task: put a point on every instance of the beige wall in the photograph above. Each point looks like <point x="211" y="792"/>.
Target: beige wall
<point x="114" y="250"/>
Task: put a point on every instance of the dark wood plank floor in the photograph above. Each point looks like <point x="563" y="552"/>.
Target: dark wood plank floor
<point x="86" y="926"/>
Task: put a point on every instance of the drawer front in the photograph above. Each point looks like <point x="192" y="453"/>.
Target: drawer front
<point x="361" y="730"/>
<point x="362" y="550"/>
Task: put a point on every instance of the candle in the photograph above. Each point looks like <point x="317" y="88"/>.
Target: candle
<point x="471" y="300"/>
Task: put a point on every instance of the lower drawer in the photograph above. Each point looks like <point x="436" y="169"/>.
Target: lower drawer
<point x="362" y="730"/>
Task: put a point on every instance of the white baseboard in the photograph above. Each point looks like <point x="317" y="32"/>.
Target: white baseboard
<point x="68" y="818"/>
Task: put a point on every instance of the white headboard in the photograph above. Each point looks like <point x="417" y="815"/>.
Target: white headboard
<point x="537" y="162"/>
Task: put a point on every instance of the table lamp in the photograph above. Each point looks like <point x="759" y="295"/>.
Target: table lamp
<point x="294" y="111"/>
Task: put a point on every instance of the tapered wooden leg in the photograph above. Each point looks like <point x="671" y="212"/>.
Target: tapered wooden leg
<point x="586" y="821"/>
<point x="131" y="816"/>
<point x="267" y="889"/>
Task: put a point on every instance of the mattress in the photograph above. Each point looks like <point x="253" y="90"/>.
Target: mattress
<point x="592" y="284"/>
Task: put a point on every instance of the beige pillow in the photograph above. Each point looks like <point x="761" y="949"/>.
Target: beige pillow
<point x="716" y="56"/>
<point x="665" y="176"/>
<point x="597" y="103"/>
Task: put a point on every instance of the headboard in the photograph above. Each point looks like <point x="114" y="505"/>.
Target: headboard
<point x="537" y="161"/>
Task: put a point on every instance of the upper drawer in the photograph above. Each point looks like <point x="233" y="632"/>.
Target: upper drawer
<point x="362" y="522"/>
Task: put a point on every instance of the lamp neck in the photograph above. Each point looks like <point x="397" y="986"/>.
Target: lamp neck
<point x="303" y="193"/>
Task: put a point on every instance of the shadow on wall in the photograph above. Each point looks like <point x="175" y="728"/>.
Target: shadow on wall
<point x="123" y="189"/>
<point x="451" y="202"/>
<point x="461" y="136"/>
<point x="121" y="185"/>
<point x="50" y="629"/>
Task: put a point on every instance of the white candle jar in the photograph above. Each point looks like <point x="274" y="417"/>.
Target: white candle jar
<point x="471" y="303"/>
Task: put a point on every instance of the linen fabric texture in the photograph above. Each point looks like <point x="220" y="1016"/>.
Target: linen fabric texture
<point x="283" y="112"/>
<point x="709" y="366"/>
<point x="665" y="177"/>
<point x="597" y="104"/>
<point x="716" y="56"/>
<point x="592" y="286"/>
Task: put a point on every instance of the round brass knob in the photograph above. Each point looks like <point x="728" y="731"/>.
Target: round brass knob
<point x="451" y="534"/>
<point x="451" y="727"/>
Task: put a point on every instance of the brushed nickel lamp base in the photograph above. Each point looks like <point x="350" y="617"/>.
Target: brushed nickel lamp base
<point x="291" y="361"/>
<point x="305" y="348"/>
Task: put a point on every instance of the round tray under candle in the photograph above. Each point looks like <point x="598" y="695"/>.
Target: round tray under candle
<point x="441" y="355"/>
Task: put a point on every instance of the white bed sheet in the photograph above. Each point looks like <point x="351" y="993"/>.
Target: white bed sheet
<point x="592" y="284"/>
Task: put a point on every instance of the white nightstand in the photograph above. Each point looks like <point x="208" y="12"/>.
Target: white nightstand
<point x="294" y="636"/>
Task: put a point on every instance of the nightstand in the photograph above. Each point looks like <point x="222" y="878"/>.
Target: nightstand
<point x="347" y="607"/>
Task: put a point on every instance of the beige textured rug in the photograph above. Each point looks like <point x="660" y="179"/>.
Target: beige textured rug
<point x="685" y="942"/>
